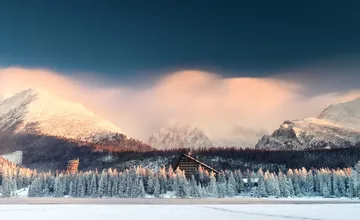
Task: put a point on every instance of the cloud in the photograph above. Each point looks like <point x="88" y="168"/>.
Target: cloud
<point x="207" y="100"/>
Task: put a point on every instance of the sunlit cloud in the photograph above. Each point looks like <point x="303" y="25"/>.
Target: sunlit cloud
<point x="214" y="103"/>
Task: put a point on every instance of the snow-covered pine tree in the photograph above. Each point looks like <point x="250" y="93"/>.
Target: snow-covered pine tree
<point x="157" y="189"/>
<point x="283" y="185"/>
<point x="170" y="179"/>
<point x="261" y="189"/>
<point x="334" y="184"/>
<point x="325" y="183"/>
<point x="115" y="185"/>
<point x="6" y="182"/>
<point x="103" y="182"/>
<point x="296" y="184"/>
<point x="93" y="189"/>
<point x="239" y="181"/>
<point x="194" y="190"/>
<point x="72" y="189"/>
<point x="212" y="188"/>
<point x="341" y="183"/>
<point x="36" y="189"/>
<point x="141" y="189"/>
<point x="290" y="186"/>
<point x="231" y="187"/>
<point x="222" y="184"/>
<point x="163" y="180"/>
<point x="59" y="187"/>
<point x="353" y="185"/>
<point x="150" y="188"/>
<point x="81" y="187"/>
<point x="309" y="184"/>
<point x="181" y="186"/>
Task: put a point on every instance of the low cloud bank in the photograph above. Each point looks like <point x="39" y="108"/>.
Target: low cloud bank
<point x="217" y="104"/>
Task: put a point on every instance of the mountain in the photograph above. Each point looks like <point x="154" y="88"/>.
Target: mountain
<point x="345" y="114"/>
<point x="180" y="136"/>
<point x="186" y="136"/>
<point x="337" y="126"/>
<point x="46" y="128"/>
<point x="38" y="112"/>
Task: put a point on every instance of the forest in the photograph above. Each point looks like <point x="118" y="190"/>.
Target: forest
<point x="138" y="182"/>
<point x="225" y="158"/>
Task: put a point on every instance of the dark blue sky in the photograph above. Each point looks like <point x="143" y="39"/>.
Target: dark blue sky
<point x="133" y="38"/>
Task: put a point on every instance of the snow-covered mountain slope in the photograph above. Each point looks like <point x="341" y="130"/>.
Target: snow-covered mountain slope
<point x="36" y="111"/>
<point x="185" y="136"/>
<point x="51" y="130"/>
<point x="337" y="126"/>
<point x="344" y="114"/>
<point x="15" y="157"/>
<point x="179" y="137"/>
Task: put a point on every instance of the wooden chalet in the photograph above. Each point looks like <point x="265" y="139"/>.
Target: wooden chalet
<point x="191" y="165"/>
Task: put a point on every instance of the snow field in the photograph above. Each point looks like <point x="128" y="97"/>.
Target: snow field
<point x="180" y="212"/>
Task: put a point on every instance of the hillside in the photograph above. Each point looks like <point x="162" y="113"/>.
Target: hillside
<point x="46" y="128"/>
<point x="338" y="126"/>
<point x="186" y="136"/>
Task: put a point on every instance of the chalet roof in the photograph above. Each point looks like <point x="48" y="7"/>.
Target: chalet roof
<point x="197" y="161"/>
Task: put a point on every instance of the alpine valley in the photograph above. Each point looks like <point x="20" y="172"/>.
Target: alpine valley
<point x="42" y="131"/>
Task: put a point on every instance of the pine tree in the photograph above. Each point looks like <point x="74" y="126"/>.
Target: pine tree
<point x="157" y="190"/>
<point x="115" y="186"/>
<point x="93" y="190"/>
<point x="335" y="186"/>
<point x="151" y="185"/>
<point x="296" y="184"/>
<point x="325" y="184"/>
<point x="59" y="187"/>
<point x="290" y="187"/>
<point x="353" y="182"/>
<point x="341" y="184"/>
<point x="261" y="189"/>
<point x="231" y="186"/>
<point x="35" y="189"/>
<point x="212" y="188"/>
<point x="309" y="184"/>
<point x="72" y="191"/>
<point x="141" y="189"/>
<point x="6" y="183"/>
<point x="222" y="184"/>
<point x="194" y="190"/>
<point x="103" y="181"/>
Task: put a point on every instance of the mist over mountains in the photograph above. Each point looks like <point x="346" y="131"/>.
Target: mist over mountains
<point x="51" y="119"/>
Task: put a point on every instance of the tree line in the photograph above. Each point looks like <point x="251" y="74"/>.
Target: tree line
<point x="139" y="182"/>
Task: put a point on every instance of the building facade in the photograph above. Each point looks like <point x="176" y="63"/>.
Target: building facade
<point x="191" y="165"/>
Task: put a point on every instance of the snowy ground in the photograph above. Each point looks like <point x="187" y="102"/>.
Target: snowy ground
<point x="180" y="212"/>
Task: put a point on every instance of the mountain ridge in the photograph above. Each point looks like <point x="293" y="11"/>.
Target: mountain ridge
<point x="45" y="127"/>
<point x="336" y="127"/>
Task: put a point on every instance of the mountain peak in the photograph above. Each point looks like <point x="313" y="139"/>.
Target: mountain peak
<point x="346" y="114"/>
<point x="51" y="115"/>
<point x="337" y="126"/>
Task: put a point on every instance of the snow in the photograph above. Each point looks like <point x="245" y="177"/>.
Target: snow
<point x="14" y="157"/>
<point x="180" y="212"/>
<point x="345" y="114"/>
<point x="39" y="111"/>
<point x="338" y="125"/>
<point x="179" y="136"/>
<point x="195" y="136"/>
<point x="22" y="193"/>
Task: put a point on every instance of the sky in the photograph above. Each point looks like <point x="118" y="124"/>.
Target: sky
<point x="250" y="64"/>
<point x="126" y="39"/>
